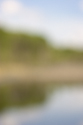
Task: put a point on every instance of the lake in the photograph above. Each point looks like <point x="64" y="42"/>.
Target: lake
<point x="63" y="106"/>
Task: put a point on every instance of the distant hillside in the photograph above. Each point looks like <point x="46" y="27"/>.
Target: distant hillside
<point x="33" y="49"/>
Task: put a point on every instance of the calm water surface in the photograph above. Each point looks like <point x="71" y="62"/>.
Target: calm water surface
<point x="63" y="106"/>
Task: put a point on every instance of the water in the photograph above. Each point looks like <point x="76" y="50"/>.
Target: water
<point x="63" y="106"/>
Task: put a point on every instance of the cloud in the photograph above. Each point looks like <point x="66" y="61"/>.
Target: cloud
<point x="10" y="6"/>
<point x="16" y="15"/>
<point x="63" y="31"/>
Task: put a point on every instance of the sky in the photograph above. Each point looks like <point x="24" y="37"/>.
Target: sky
<point x="60" y="21"/>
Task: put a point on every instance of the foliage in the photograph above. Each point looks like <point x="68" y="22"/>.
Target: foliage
<point x="32" y="48"/>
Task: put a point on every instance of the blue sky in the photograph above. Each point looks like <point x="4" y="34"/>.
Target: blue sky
<point x="61" y="21"/>
<point x="57" y="7"/>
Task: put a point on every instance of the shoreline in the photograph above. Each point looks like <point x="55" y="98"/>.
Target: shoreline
<point x="66" y="72"/>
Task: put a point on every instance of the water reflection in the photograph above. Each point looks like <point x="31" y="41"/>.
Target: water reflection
<point x="63" y="106"/>
<point x="21" y="94"/>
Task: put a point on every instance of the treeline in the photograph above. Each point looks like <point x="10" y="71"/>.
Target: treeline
<point x="31" y="49"/>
